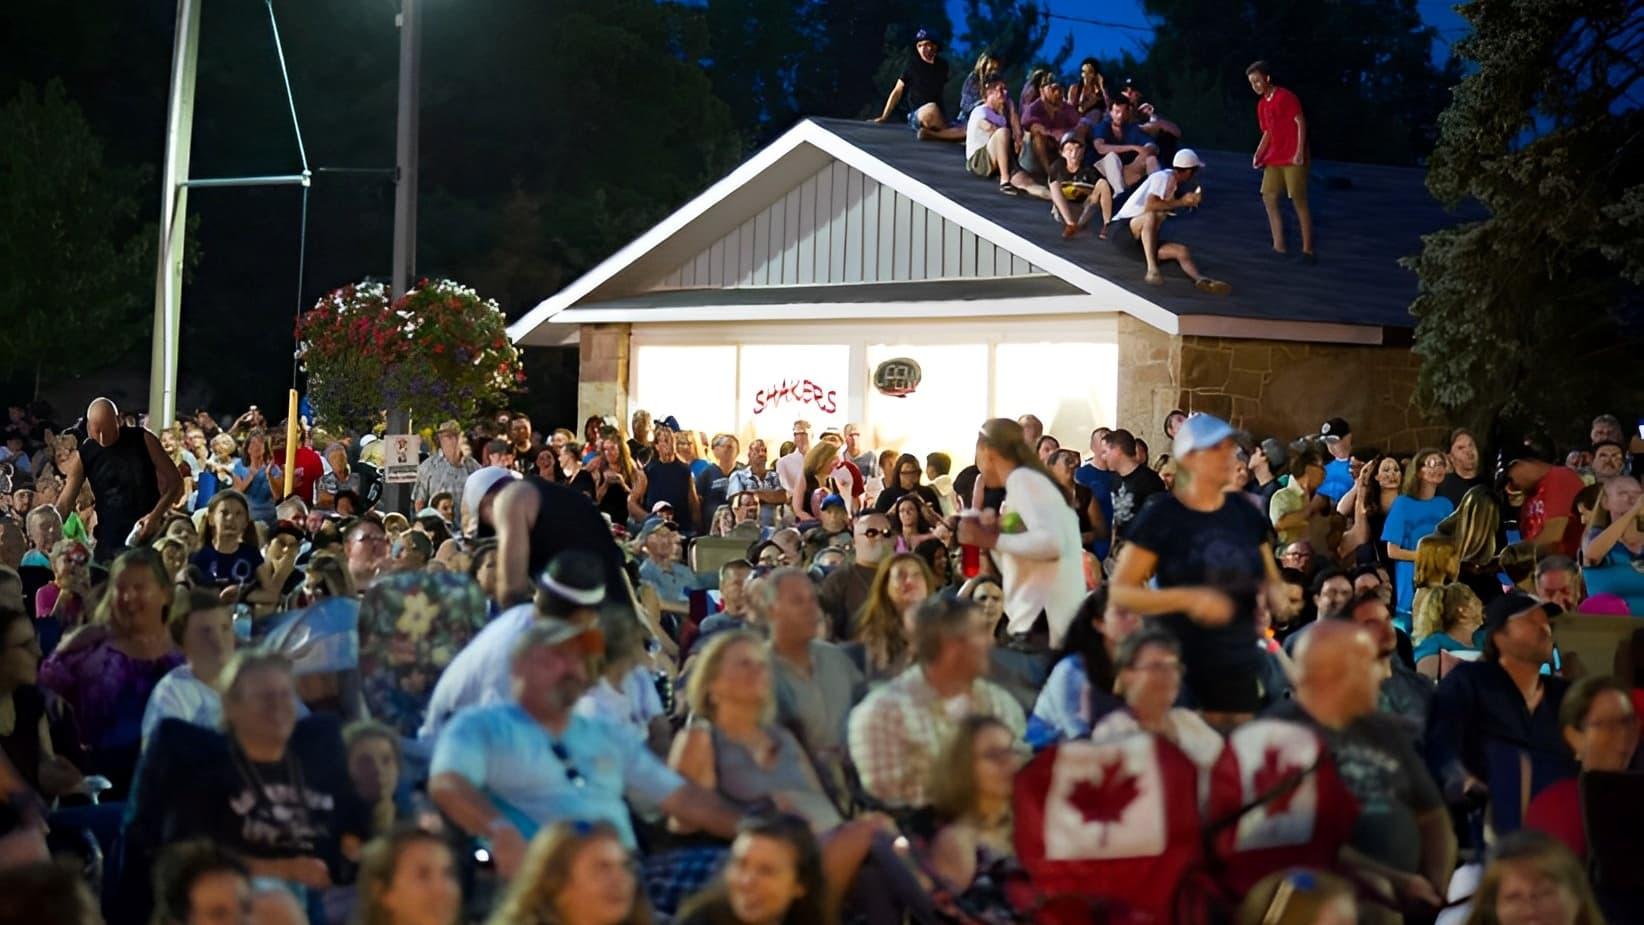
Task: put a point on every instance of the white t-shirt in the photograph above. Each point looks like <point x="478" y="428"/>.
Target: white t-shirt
<point x="478" y="675"/>
<point x="1041" y="568"/>
<point x="180" y="695"/>
<point x="977" y="131"/>
<point x="630" y="707"/>
<point x="1161" y="184"/>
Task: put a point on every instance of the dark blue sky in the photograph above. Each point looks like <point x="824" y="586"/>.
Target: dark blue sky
<point x="1127" y="29"/>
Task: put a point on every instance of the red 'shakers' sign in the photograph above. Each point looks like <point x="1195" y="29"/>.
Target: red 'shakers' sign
<point x="796" y="391"/>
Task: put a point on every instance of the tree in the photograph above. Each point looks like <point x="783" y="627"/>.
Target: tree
<point x="1014" y="31"/>
<point x="1364" y="72"/>
<point x="78" y="285"/>
<point x="1529" y="316"/>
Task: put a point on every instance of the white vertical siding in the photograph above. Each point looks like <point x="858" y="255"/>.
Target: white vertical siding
<point x="840" y="226"/>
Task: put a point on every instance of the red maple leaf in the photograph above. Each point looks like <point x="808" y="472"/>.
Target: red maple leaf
<point x="1276" y="777"/>
<point x="1106" y="798"/>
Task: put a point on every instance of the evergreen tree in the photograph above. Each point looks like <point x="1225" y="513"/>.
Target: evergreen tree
<point x="1530" y="316"/>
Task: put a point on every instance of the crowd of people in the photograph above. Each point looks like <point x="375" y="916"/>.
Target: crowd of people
<point x="624" y="677"/>
<point x="1092" y="149"/>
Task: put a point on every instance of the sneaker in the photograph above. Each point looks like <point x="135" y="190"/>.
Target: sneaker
<point x="1212" y="286"/>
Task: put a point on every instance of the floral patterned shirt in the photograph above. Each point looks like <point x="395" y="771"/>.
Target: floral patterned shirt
<point x="412" y="625"/>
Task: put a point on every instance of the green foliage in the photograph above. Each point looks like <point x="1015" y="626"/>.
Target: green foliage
<point x="1363" y="70"/>
<point x="1014" y="31"/>
<point x="1518" y="319"/>
<point x="78" y="264"/>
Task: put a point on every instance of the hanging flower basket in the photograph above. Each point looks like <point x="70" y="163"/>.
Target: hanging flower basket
<point x="440" y="351"/>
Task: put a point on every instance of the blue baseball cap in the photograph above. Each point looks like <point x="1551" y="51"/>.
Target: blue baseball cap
<point x="925" y="35"/>
<point x="833" y="501"/>
<point x="1200" y="432"/>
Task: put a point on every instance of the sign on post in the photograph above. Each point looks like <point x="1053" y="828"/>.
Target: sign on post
<point x="400" y="455"/>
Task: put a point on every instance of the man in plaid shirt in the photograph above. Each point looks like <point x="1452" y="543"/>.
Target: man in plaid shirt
<point x="897" y="732"/>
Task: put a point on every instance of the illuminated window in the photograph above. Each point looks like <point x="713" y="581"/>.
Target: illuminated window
<point x="1073" y="388"/>
<point x="786" y="383"/>
<point x="943" y="413"/>
<point x="697" y="385"/>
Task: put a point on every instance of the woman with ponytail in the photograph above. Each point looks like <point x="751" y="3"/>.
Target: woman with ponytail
<point x="1034" y="537"/>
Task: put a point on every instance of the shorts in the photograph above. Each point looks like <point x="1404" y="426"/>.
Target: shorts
<point x="1123" y="242"/>
<point x="980" y="164"/>
<point x="1029" y="161"/>
<point x="1290" y="178"/>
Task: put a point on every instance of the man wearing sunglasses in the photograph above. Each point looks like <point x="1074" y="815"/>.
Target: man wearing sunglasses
<point x="845" y="589"/>
<point x="503" y="771"/>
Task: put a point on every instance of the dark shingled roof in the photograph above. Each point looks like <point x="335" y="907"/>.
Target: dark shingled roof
<point x="1365" y="218"/>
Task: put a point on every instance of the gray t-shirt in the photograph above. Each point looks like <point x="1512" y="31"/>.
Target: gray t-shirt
<point x="817" y="707"/>
<point x="1380" y="767"/>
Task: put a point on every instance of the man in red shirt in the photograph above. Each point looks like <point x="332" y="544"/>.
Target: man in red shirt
<point x="1547" y="517"/>
<point x="1281" y="155"/>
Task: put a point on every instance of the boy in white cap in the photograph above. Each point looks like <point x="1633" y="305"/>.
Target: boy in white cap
<point x="1135" y="230"/>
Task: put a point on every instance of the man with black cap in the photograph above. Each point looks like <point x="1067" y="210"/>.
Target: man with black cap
<point x="1338" y="470"/>
<point x="1548" y="517"/>
<point x="1501" y="705"/>
<point x="923" y="82"/>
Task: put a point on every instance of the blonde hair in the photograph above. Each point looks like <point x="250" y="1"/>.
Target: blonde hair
<point x="1551" y="859"/>
<point x="223" y="444"/>
<point x="1437" y="561"/>
<point x="819" y="461"/>
<point x="1435" y="610"/>
<point x="697" y="694"/>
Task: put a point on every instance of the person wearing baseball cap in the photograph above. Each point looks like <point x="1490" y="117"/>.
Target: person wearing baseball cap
<point x="445" y="470"/>
<point x="1338" y="471"/>
<point x="1502" y="703"/>
<point x="1209" y="559"/>
<point x="1135" y="231"/>
<point x="924" y="82"/>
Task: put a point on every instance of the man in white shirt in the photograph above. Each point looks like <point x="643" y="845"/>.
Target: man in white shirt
<point x="988" y="146"/>
<point x="1135" y="230"/>
<point x="790" y="469"/>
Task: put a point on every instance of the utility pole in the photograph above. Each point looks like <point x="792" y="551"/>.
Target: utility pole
<point x="397" y="497"/>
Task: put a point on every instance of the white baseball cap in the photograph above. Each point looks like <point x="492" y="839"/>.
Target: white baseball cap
<point x="1185" y="158"/>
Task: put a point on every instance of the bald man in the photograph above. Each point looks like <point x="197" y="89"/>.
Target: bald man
<point x="132" y="479"/>
<point x="1403" y="832"/>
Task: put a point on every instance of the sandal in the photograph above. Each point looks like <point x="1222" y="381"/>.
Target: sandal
<point x="1212" y="286"/>
<point x="1069" y="231"/>
<point x="1009" y="190"/>
<point x="1154" y="278"/>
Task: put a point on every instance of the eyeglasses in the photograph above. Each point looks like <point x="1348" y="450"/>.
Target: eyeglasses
<point x="563" y="756"/>
<point x="875" y="533"/>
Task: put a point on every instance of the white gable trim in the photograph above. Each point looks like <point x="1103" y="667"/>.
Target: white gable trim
<point x="825" y="311"/>
<point x="1113" y="297"/>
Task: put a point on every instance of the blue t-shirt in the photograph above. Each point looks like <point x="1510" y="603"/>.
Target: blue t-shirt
<point x="227" y="568"/>
<point x="1338" y="479"/>
<point x="1100" y="483"/>
<point x="1130" y="134"/>
<point x="534" y="781"/>
<point x="1408" y="521"/>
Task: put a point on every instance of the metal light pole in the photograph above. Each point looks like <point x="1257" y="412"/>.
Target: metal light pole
<point x="396" y="497"/>
<point x="168" y="284"/>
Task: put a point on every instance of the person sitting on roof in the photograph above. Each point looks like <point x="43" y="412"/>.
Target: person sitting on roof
<point x="988" y="148"/>
<point x="1071" y="183"/>
<point x="1135" y="230"/>
<point x="923" y="82"/>
<point x="1045" y="121"/>
<point x="1122" y="151"/>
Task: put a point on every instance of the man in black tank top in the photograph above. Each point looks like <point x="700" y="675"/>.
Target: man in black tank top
<point x="132" y="479"/>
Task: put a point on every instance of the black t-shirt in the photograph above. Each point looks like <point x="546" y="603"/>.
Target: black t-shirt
<point x="1219" y="549"/>
<point x="583" y="481"/>
<point x="670" y="482"/>
<point x="223" y="569"/>
<point x="567" y="519"/>
<point x="1076" y="184"/>
<point x="1130" y="492"/>
<point x="924" y="83"/>
<point x="1380" y="767"/>
<point x="1454" y="487"/>
<point x="125" y="483"/>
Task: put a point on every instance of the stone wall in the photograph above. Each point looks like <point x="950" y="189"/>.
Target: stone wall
<point x="602" y="372"/>
<point x="1149" y="379"/>
<point x="1287" y="389"/>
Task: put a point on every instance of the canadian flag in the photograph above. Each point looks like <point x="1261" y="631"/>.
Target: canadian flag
<point x="1114" y="823"/>
<point x="1278" y="802"/>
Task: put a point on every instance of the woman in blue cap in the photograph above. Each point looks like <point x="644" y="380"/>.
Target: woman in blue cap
<point x="1209" y="560"/>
